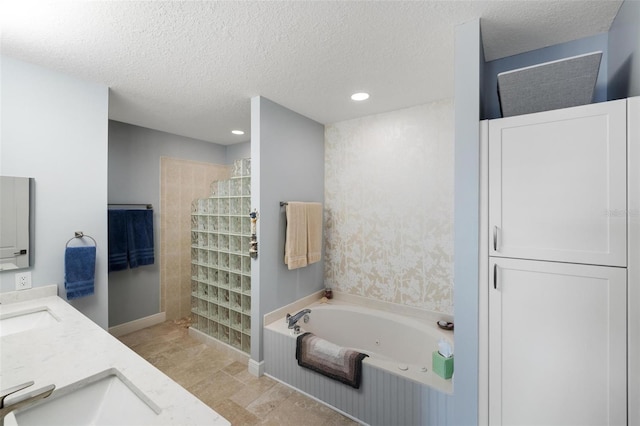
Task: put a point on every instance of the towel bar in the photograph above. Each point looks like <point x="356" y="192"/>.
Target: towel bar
<point x="80" y="234"/>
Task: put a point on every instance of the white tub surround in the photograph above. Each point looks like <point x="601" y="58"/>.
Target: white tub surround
<point x="398" y="385"/>
<point x="73" y="349"/>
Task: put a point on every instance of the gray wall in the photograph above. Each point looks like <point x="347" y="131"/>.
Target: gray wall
<point x="468" y="56"/>
<point x="624" y="52"/>
<point x="490" y="102"/>
<point x="287" y="163"/>
<point x="237" y="151"/>
<point x="54" y="129"/>
<point x="134" y="177"/>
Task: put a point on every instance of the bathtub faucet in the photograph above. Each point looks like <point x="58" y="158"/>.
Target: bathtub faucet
<point x="293" y="319"/>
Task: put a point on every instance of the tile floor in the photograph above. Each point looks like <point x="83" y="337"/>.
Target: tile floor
<point x="224" y="384"/>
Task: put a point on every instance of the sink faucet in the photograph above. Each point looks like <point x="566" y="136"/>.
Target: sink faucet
<point x="23" y="400"/>
<point x="293" y="319"/>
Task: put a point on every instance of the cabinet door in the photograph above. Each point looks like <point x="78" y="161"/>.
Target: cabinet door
<point x="557" y="344"/>
<point x="557" y="185"/>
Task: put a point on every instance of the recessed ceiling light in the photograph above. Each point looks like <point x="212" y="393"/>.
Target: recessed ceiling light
<point x="237" y="132"/>
<point x="362" y="96"/>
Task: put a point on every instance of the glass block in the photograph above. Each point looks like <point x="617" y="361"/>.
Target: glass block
<point x="202" y="206"/>
<point x="235" y="187"/>
<point x="223" y="315"/>
<point x="223" y="260"/>
<point x="246" y="265"/>
<point x="237" y="168"/>
<point x="213" y="188"/>
<point x="194" y="304"/>
<point x="235" y="206"/>
<point x="223" y="224"/>
<point x="202" y="273"/>
<point x="246" y="208"/>
<point x="246" y="167"/>
<point x="213" y="311"/>
<point x="223" y="333"/>
<point x="223" y="297"/>
<point x="213" y="294"/>
<point x="201" y="239"/>
<point x="235" y="282"/>
<point x="235" y="339"/>
<point x="235" y="301"/>
<point x="202" y="307"/>
<point x="212" y="224"/>
<point x="246" y="304"/>
<point x="194" y="271"/>
<point x="201" y="287"/>
<point x="235" y="262"/>
<point x="235" y="319"/>
<point x="194" y="238"/>
<point x="213" y="329"/>
<point x="223" y="242"/>
<point x="246" y="324"/>
<point x="246" y="284"/>
<point x="223" y="206"/>
<point x="194" y="206"/>
<point x="213" y="205"/>
<point x="246" y="244"/>
<point x="194" y="222"/>
<point x="246" y="225"/>
<point x="203" y="256"/>
<point x="194" y="287"/>
<point x="202" y="323"/>
<point x="235" y="243"/>
<point x="213" y="241"/>
<point x="235" y="225"/>
<point x="223" y="188"/>
<point x="213" y="259"/>
<point x="246" y="343"/>
<point x="194" y="318"/>
<point x="245" y="188"/>
<point x="223" y="279"/>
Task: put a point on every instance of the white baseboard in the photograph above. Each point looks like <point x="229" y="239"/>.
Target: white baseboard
<point x="139" y="324"/>
<point x="256" y="368"/>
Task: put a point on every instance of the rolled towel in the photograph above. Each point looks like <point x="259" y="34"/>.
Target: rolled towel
<point x="79" y="271"/>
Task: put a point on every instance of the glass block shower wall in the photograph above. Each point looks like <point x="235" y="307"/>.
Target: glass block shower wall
<point x="220" y="262"/>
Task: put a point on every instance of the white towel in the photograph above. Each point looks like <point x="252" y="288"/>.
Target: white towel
<point x="314" y="232"/>
<point x="295" y="245"/>
<point x="303" y="242"/>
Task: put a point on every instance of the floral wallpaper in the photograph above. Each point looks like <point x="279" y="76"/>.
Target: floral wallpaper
<point x="389" y="206"/>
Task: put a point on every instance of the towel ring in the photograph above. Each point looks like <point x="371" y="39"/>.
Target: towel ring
<point x="80" y="234"/>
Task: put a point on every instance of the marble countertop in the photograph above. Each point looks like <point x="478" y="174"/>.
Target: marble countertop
<point x="74" y="348"/>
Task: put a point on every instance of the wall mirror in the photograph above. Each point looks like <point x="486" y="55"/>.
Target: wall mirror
<point x="16" y="222"/>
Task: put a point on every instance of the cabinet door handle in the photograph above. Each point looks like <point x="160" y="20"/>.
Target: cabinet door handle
<point x="495" y="276"/>
<point x="495" y="238"/>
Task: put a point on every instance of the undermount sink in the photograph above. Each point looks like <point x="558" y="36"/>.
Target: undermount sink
<point x="26" y="320"/>
<point x="105" y="399"/>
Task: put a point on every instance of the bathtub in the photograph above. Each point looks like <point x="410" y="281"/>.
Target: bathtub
<point x="398" y="386"/>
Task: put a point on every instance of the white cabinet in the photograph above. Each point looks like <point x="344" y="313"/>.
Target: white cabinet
<point x="558" y="283"/>
<point x="558" y="344"/>
<point x="557" y="185"/>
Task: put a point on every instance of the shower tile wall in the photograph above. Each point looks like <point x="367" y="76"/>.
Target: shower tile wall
<point x="389" y="206"/>
<point x="181" y="181"/>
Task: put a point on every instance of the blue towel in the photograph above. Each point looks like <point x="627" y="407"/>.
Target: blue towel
<point x="118" y="247"/>
<point x="140" y="237"/>
<point x="79" y="271"/>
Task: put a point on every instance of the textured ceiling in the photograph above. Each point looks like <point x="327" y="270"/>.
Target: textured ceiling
<point x="191" y="67"/>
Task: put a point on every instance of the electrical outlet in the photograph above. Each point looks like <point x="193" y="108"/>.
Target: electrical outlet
<point x="23" y="280"/>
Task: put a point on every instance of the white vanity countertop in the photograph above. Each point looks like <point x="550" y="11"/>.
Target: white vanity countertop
<point x="75" y="348"/>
